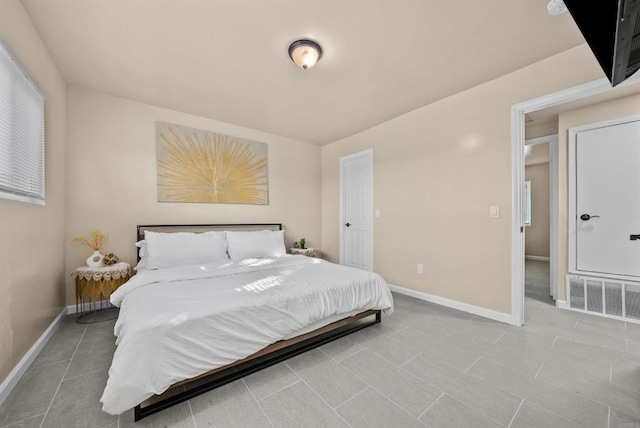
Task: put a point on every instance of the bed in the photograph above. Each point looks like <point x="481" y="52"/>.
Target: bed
<point x="213" y="303"/>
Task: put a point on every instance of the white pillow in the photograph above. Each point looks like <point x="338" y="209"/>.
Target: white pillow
<point x="142" y="254"/>
<point x="164" y="250"/>
<point x="253" y="245"/>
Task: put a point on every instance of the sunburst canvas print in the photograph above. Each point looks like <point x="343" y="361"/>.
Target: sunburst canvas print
<point x="203" y="166"/>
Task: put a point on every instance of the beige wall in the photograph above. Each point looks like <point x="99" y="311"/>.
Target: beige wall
<point x="437" y="170"/>
<point x="111" y="178"/>
<point x="32" y="273"/>
<point x="537" y="235"/>
<point x="626" y="106"/>
<point x="541" y="130"/>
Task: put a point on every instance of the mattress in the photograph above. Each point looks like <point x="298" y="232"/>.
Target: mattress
<point x="178" y="323"/>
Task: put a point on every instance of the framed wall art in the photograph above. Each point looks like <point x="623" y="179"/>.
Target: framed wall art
<point x="194" y="165"/>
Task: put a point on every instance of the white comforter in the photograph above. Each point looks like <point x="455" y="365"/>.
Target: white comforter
<point x="178" y="323"/>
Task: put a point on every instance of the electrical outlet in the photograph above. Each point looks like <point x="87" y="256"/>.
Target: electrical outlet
<point x="420" y="269"/>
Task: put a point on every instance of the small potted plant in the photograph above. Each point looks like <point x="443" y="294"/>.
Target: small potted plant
<point x="303" y="243"/>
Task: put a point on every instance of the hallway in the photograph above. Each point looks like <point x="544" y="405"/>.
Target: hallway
<point x="537" y="281"/>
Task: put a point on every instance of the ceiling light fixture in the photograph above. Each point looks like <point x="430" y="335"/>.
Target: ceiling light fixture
<point x="305" y="53"/>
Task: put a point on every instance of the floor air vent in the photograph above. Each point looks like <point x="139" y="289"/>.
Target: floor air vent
<point x="576" y="286"/>
<point x="613" y="299"/>
<point x="594" y="296"/>
<point x="632" y="301"/>
<point x="620" y="299"/>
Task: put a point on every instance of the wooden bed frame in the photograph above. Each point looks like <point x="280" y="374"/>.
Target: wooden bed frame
<point x="272" y="354"/>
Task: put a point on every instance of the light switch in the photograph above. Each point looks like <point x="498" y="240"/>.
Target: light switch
<point x="494" y="211"/>
<point x="377" y="213"/>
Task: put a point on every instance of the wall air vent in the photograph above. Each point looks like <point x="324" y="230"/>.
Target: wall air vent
<point x="632" y="301"/>
<point x="604" y="296"/>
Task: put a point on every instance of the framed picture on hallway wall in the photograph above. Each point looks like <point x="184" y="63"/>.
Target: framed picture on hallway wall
<point x="195" y="165"/>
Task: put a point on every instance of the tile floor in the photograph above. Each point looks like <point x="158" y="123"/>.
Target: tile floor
<point x="537" y="281"/>
<point x="425" y="365"/>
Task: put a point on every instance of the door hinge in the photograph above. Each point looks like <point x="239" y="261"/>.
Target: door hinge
<point x="521" y="229"/>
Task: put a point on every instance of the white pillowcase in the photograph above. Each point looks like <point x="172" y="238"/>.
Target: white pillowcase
<point x="164" y="250"/>
<point x="142" y="254"/>
<point x="254" y="245"/>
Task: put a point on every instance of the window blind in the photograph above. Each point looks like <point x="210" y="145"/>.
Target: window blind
<point x="21" y="133"/>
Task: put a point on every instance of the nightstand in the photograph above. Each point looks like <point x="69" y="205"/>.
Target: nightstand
<point x="94" y="286"/>
<point x="309" y="252"/>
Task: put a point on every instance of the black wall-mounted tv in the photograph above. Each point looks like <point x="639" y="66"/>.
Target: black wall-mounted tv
<point x="612" y="31"/>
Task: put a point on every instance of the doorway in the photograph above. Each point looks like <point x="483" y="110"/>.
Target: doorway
<point x="581" y="95"/>
<point x="356" y="210"/>
<point x="540" y="212"/>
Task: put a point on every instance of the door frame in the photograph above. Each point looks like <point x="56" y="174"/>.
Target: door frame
<point x="552" y="140"/>
<point x="572" y="141"/>
<point x="368" y="153"/>
<point x="517" y="176"/>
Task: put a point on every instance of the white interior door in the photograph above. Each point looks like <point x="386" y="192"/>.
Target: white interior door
<point x="607" y="162"/>
<point x="356" y="178"/>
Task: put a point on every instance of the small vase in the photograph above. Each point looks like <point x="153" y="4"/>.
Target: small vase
<point x="95" y="259"/>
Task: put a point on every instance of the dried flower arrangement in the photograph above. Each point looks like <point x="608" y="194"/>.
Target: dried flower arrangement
<point x="95" y="242"/>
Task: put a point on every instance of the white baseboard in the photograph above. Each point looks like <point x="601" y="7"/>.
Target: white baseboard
<point x="539" y="258"/>
<point x="476" y="310"/>
<point x="19" y="370"/>
<point x="562" y="304"/>
<point x="71" y="309"/>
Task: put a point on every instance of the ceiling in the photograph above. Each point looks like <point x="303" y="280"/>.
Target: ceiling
<point x="227" y="59"/>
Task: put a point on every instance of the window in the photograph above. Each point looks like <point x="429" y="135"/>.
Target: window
<point x="21" y="133"/>
<point x="527" y="203"/>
